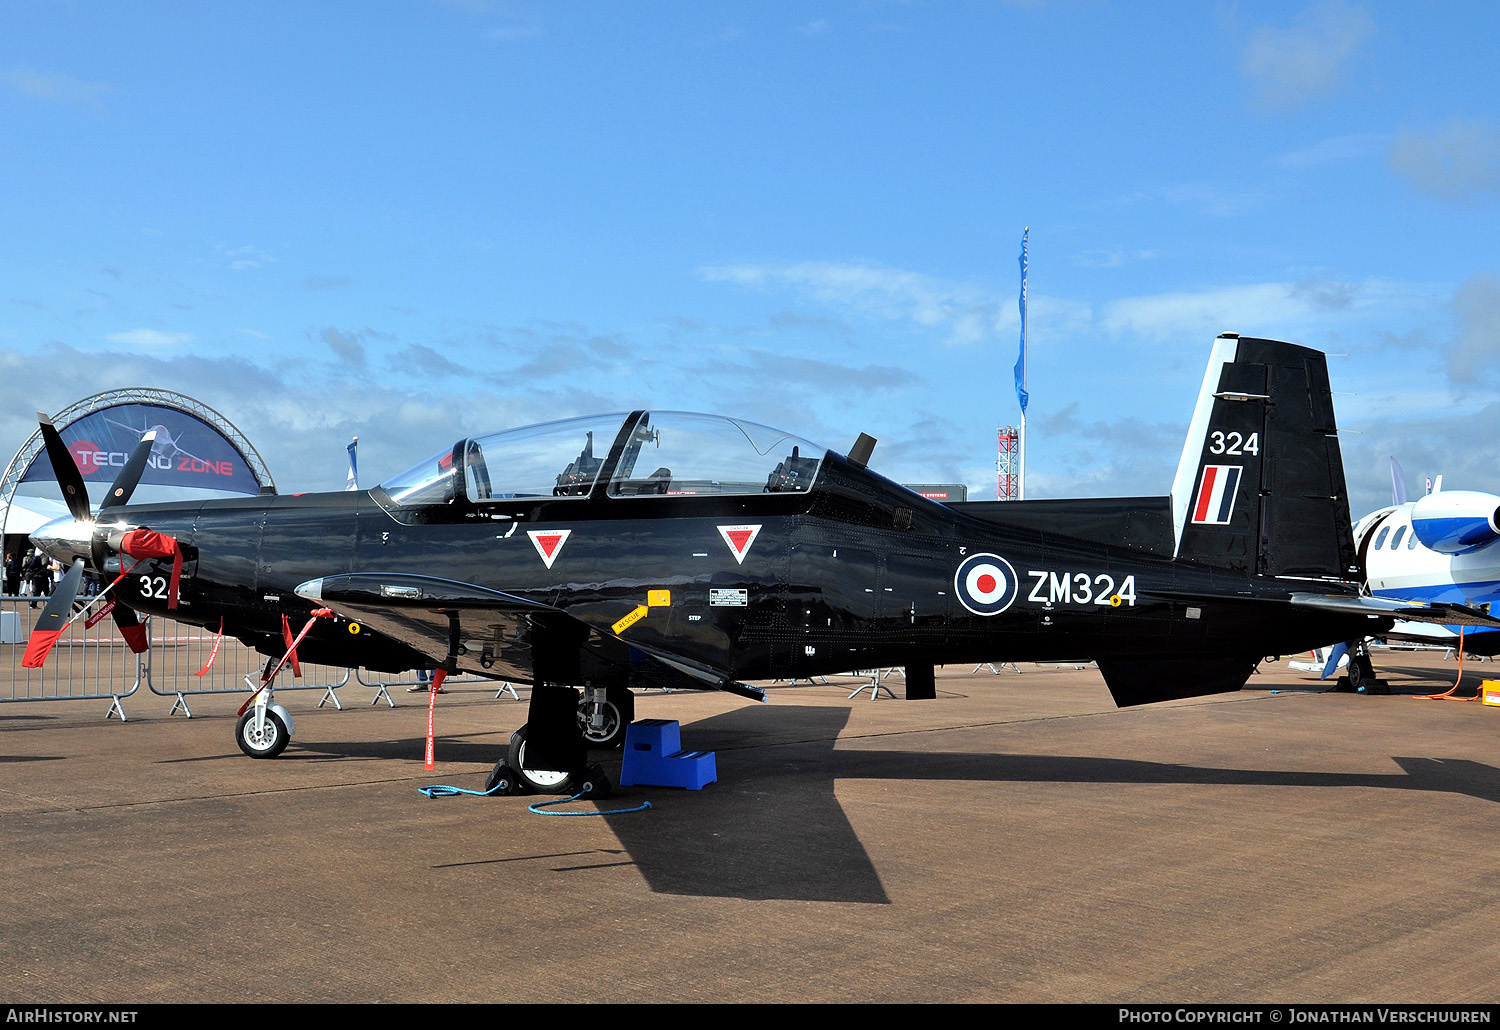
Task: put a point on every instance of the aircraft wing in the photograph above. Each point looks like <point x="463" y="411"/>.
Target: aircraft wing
<point x="1411" y="611"/>
<point x="506" y="636"/>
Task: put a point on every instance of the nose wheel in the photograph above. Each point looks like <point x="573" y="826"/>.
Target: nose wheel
<point x="264" y="737"/>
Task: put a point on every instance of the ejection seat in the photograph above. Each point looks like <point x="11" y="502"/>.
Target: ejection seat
<point x="793" y="473"/>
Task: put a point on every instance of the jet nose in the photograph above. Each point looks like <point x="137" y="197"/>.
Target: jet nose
<point x="64" y="539"/>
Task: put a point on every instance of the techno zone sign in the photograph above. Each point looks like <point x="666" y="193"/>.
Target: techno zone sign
<point x="187" y="452"/>
<point x="91" y="459"/>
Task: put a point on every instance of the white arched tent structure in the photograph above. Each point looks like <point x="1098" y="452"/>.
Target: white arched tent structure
<point x="198" y="454"/>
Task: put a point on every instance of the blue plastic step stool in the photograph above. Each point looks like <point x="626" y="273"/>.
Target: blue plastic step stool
<point x="654" y="757"/>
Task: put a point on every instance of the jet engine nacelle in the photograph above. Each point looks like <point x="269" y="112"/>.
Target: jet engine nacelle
<point x="1456" y="521"/>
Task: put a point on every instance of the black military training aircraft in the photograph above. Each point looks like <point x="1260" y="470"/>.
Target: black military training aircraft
<point x="674" y="550"/>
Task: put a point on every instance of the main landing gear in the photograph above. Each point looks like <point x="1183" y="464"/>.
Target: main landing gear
<point x="1360" y="672"/>
<point x="549" y="755"/>
<point x="510" y="775"/>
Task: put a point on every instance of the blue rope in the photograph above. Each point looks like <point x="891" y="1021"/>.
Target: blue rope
<point x="441" y="791"/>
<point x="444" y="791"/>
<point x="537" y="808"/>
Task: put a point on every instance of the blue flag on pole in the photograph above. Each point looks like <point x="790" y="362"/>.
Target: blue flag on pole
<point x="353" y="483"/>
<point x="1021" y="394"/>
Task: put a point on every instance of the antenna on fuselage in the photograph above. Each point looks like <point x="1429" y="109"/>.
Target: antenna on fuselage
<point x="860" y="453"/>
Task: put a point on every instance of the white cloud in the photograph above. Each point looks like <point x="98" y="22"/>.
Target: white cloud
<point x="964" y="312"/>
<point x="1456" y="162"/>
<point x="1474" y="354"/>
<point x="245" y="257"/>
<point x="56" y="87"/>
<point x="1257" y="307"/>
<point x="150" y="339"/>
<point x="1335" y="150"/>
<point x="1289" y="67"/>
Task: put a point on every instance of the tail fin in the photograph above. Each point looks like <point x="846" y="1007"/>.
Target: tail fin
<point x="1260" y="486"/>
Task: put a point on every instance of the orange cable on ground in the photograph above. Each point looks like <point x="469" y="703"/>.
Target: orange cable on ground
<point x="1448" y="694"/>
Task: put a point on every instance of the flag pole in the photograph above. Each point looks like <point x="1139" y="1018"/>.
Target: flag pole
<point x="1021" y="395"/>
<point x="352" y="483"/>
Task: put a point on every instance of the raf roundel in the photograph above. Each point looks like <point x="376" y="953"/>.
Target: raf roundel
<point x="986" y="584"/>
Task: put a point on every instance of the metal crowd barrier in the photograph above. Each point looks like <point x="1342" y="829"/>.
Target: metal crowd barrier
<point x="88" y="663"/>
<point x="93" y="663"/>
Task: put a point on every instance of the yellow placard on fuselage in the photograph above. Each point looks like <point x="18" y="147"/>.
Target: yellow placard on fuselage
<point x="631" y="619"/>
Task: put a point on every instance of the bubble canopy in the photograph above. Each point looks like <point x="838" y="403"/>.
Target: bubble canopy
<point x="675" y="453"/>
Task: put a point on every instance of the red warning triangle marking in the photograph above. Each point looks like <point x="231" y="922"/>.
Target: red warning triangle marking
<point x="548" y="543"/>
<point x="739" y="539"/>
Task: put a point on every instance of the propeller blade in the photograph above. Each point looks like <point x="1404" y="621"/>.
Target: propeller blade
<point x="124" y="484"/>
<point x="129" y="625"/>
<point x="54" y="617"/>
<point x="66" y="470"/>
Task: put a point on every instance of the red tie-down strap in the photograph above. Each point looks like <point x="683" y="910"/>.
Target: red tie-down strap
<point x="267" y="677"/>
<point x="147" y="543"/>
<point x="291" y="646"/>
<point x="215" y="652"/>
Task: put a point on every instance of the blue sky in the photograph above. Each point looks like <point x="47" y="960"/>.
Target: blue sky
<point x="413" y="221"/>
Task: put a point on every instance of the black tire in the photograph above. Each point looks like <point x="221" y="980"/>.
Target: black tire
<point x="1357" y="677"/>
<point x="619" y="713"/>
<point x="538" y="781"/>
<point x="269" y="743"/>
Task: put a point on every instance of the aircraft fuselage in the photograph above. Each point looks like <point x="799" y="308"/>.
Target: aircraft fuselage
<point x="856" y="573"/>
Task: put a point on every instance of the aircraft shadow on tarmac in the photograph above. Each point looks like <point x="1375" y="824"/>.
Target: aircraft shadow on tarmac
<point x="772" y="828"/>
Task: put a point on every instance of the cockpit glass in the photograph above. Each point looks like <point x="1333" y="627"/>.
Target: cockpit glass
<point x="666" y="453"/>
<point x="553" y="459"/>
<point x="680" y="453"/>
<point x="427" y="482"/>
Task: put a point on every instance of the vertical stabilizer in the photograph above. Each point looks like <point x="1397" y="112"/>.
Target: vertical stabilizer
<point x="1260" y="487"/>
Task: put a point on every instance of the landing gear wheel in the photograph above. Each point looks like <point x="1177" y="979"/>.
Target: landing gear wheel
<point x="617" y="713"/>
<point x="1356" y="675"/>
<point x="539" y="781"/>
<point x="502" y="780"/>
<point x="1362" y="674"/>
<point x="265" y="743"/>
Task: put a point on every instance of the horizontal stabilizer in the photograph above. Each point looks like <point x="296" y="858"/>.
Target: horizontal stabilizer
<point x="1444" y="614"/>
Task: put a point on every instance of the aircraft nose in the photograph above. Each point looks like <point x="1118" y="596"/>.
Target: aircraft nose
<point x="64" y="539"/>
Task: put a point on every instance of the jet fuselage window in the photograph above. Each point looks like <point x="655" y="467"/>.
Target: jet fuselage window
<point x="1396" y="540"/>
<point x="1380" y="537"/>
<point x="1411" y="544"/>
